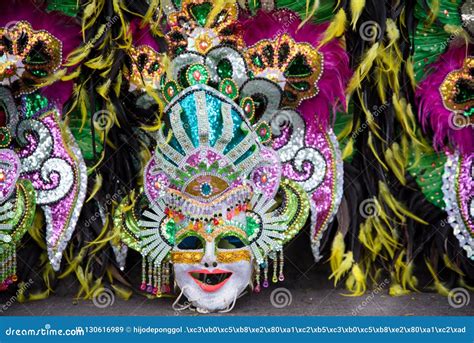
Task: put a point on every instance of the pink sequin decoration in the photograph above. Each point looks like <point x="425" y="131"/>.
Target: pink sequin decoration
<point x="9" y="170"/>
<point x="61" y="215"/>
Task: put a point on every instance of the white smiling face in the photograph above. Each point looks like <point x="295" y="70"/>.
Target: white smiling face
<point x="212" y="272"/>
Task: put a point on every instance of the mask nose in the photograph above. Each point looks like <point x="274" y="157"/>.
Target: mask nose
<point x="209" y="260"/>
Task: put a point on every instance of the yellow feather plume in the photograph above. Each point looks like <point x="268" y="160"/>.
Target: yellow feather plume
<point x="356" y="282"/>
<point x="344" y="267"/>
<point x="348" y="149"/>
<point x="336" y="28"/>
<point x="356" y="10"/>
<point x="438" y="285"/>
<point x="363" y="70"/>
<point x="309" y="13"/>
<point x="337" y="251"/>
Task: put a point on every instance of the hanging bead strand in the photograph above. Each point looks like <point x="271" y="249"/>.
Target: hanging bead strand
<point x="281" y="277"/>
<point x="143" y="284"/>
<point x="257" y="279"/>
<point x="275" y="268"/>
<point x="265" y="273"/>
<point x="149" y="287"/>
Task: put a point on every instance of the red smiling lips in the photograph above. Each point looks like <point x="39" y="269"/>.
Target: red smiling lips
<point x="210" y="281"/>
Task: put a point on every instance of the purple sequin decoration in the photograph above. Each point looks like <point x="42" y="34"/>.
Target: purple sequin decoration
<point x="155" y="183"/>
<point x="267" y="177"/>
<point x="310" y="157"/>
<point x="60" y="181"/>
<point x="323" y="197"/>
<point x="9" y="171"/>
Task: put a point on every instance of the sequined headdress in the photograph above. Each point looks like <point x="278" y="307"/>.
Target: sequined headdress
<point x="446" y="106"/>
<point x="237" y="168"/>
<point x="42" y="166"/>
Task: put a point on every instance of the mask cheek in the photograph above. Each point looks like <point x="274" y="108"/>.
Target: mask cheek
<point x="184" y="279"/>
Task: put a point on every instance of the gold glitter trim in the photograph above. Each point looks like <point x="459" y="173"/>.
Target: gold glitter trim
<point x="21" y="50"/>
<point x="312" y="57"/>
<point x="448" y="88"/>
<point x="186" y="257"/>
<point x="233" y="256"/>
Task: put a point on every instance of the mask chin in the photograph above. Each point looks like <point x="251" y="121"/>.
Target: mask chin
<point x="212" y="292"/>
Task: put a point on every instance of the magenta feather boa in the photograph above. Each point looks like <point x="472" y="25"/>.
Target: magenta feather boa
<point x="431" y="108"/>
<point x="336" y="72"/>
<point x="66" y="29"/>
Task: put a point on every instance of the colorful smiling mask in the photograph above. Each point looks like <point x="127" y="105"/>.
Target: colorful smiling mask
<point x="238" y="164"/>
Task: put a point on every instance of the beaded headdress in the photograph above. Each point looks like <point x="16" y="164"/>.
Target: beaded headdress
<point x="236" y="168"/>
<point x="446" y="104"/>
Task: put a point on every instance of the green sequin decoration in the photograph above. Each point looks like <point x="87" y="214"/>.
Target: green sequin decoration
<point x="200" y="12"/>
<point x="301" y="86"/>
<point x="465" y="92"/>
<point x="469" y="112"/>
<point x="34" y="103"/>
<point x="224" y="69"/>
<point x="298" y="67"/>
<point x="68" y="7"/>
<point x="257" y="60"/>
<point x="170" y="90"/>
<point x="264" y="132"/>
<point x="248" y="106"/>
<point x="295" y="207"/>
<point x="428" y="169"/>
<point x="197" y="74"/>
<point x="229" y="88"/>
<point x="126" y="224"/>
<point x="251" y="228"/>
<point x="171" y="231"/>
<point x="5" y="137"/>
<point x="39" y="73"/>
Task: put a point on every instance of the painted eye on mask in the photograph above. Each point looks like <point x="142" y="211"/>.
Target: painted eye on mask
<point x="206" y="186"/>
<point x="191" y="243"/>
<point x="230" y="242"/>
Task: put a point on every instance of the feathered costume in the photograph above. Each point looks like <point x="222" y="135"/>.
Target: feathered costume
<point x="201" y="136"/>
